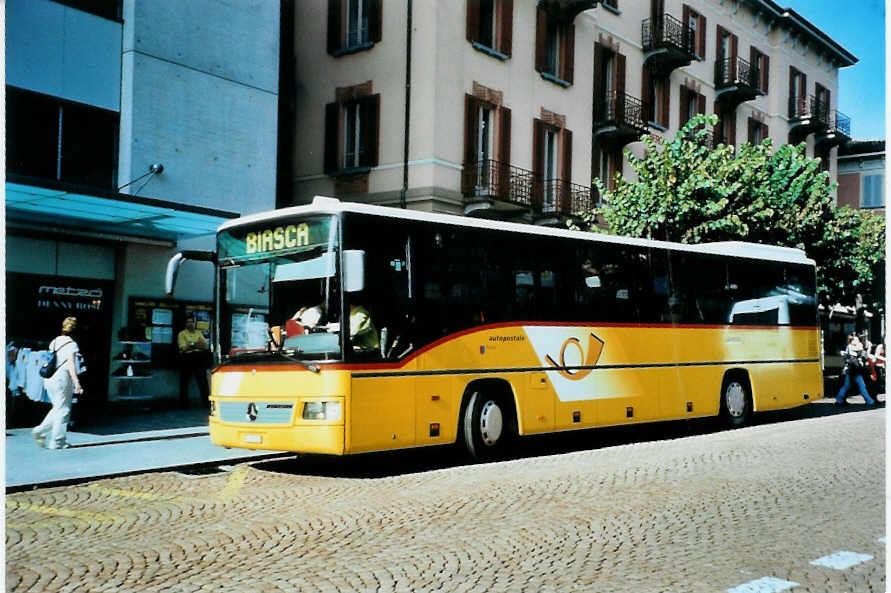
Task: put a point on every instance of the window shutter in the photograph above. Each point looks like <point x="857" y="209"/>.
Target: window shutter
<point x="334" y="28"/>
<point x="734" y="66"/>
<point x="506" y="25"/>
<point x="332" y="137"/>
<point x="751" y="128"/>
<point x="375" y="20"/>
<point x="598" y="83"/>
<point x="685" y="19"/>
<point x="565" y="197"/>
<point x="541" y="34"/>
<point x="646" y="94"/>
<point x="595" y="171"/>
<point x="568" y="52"/>
<point x="765" y="131"/>
<point x="473" y="20"/>
<point x="731" y="128"/>
<point x="666" y="100"/>
<point x="470" y="129"/>
<point x="719" y="51"/>
<point x="504" y="133"/>
<point x="619" y="85"/>
<point x="684" y="106"/>
<point x="701" y="32"/>
<point x="370" y="118"/>
<point x="765" y="73"/>
<point x="537" y="135"/>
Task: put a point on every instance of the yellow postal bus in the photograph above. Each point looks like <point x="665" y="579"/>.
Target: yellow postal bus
<point x="344" y="328"/>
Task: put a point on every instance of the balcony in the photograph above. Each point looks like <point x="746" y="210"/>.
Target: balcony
<point x="807" y="115"/>
<point x="494" y="187"/>
<point x="619" y="119"/>
<point x="736" y="81"/>
<point x="556" y="197"/>
<point x="668" y="44"/>
<point x="837" y="131"/>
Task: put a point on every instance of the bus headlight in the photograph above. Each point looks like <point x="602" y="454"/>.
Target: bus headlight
<point x="321" y="411"/>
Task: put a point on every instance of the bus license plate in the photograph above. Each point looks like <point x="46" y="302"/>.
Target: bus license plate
<point x="252" y="438"/>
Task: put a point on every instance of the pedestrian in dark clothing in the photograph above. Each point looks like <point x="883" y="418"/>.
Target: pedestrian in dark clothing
<point x="193" y="354"/>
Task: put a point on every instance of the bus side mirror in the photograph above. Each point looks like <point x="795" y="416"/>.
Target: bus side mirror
<point x="177" y="260"/>
<point x="353" y="270"/>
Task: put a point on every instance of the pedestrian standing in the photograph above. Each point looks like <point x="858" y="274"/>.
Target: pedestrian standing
<point x="855" y="367"/>
<point x="193" y="355"/>
<point x="61" y="387"/>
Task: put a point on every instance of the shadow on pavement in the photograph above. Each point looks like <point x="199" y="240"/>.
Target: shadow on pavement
<point x="394" y="463"/>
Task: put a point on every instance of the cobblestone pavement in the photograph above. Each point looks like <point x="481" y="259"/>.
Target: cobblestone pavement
<point x="710" y="512"/>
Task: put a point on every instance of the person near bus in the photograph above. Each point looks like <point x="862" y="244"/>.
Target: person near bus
<point x="855" y="367"/>
<point x="61" y="388"/>
<point x="193" y="360"/>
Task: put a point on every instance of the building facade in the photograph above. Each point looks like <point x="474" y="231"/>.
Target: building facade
<point x="135" y="128"/>
<point x="861" y="175"/>
<point x="510" y="108"/>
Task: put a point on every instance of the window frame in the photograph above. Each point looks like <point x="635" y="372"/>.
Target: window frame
<point x="339" y="26"/>
<point x="365" y="109"/>
<point x="554" y="48"/>
<point x="879" y="188"/>
<point x="498" y="16"/>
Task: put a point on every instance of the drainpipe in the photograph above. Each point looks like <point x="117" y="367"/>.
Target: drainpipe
<point x="407" y="106"/>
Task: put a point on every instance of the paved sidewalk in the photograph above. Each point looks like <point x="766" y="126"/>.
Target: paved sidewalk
<point x="116" y="444"/>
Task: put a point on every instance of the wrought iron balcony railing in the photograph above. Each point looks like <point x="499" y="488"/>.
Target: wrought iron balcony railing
<point x="620" y="108"/>
<point x="561" y="197"/>
<point x="808" y="108"/>
<point x="499" y="181"/>
<point x="737" y="72"/>
<point x="665" y="30"/>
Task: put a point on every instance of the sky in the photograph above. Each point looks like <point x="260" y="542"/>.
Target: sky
<point x="859" y="27"/>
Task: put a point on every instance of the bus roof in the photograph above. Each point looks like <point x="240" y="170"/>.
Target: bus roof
<point x="325" y="205"/>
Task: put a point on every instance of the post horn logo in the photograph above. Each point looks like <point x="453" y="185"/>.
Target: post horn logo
<point x="252" y="412"/>
<point x="595" y="348"/>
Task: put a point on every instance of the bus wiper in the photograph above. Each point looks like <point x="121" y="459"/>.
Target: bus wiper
<point x="310" y="367"/>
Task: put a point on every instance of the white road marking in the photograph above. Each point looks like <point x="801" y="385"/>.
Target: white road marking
<point x="841" y="560"/>
<point x="763" y="585"/>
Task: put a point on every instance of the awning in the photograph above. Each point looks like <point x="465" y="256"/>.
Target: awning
<point x="108" y="212"/>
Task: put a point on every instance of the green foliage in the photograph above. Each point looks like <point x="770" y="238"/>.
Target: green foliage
<point x="686" y="192"/>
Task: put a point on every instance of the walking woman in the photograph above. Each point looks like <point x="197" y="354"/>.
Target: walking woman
<point x="855" y="368"/>
<point x="60" y="387"/>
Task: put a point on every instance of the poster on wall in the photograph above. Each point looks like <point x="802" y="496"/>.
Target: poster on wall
<point x="159" y="321"/>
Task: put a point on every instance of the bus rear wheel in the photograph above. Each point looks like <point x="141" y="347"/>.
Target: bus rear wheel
<point x="736" y="401"/>
<point x="487" y="426"/>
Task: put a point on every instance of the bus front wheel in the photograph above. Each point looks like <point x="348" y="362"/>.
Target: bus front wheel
<point x="486" y="426"/>
<point x="736" y="401"/>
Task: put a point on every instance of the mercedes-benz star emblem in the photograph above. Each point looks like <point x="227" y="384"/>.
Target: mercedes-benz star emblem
<point x="251" y="412"/>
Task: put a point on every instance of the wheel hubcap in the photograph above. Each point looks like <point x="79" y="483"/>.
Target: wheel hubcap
<point x="491" y="423"/>
<point x="735" y="396"/>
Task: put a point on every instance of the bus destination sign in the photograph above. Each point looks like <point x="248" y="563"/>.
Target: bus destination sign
<point x="267" y="240"/>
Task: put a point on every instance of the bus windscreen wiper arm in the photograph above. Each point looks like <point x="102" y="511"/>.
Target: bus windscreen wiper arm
<point x="310" y="367"/>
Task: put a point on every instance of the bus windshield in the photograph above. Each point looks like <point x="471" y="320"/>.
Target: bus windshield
<point x="279" y="291"/>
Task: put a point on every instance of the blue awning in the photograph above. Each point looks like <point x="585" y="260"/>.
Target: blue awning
<point x="109" y="212"/>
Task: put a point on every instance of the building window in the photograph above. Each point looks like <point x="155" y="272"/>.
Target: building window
<point x="872" y="191"/>
<point x="486" y="148"/>
<point x="757" y="131"/>
<point x="798" y="106"/>
<point x="489" y="26"/>
<point x="821" y="96"/>
<point x="692" y="104"/>
<point x="351" y="134"/>
<point x="656" y="98"/>
<point x="697" y="24"/>
<point x="554" y="48"/>
<point x="53" y="139"/>
<point x="762" y="62"/>
<point x="353" y="25"/>
<point x="552" y="165"/>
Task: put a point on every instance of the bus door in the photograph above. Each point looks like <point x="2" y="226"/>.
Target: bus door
<point x="382" y="401"/>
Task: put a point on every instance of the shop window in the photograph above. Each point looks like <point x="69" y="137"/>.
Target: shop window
<point x="351" y="134"/>
<point x="871" y="194"/>
<point x="54" y="139"/>
<point x="554" y="48"/>
<point x="490" y="26"/>
<point x="353" y="25"/>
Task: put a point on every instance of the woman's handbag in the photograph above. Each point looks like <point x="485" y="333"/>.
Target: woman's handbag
<point x="49" y="367"/>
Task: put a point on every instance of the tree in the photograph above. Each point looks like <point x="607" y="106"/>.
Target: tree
<point x="686" y="192"/>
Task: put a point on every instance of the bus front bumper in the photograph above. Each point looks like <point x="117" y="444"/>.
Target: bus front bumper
<point x="322" y="438"/>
